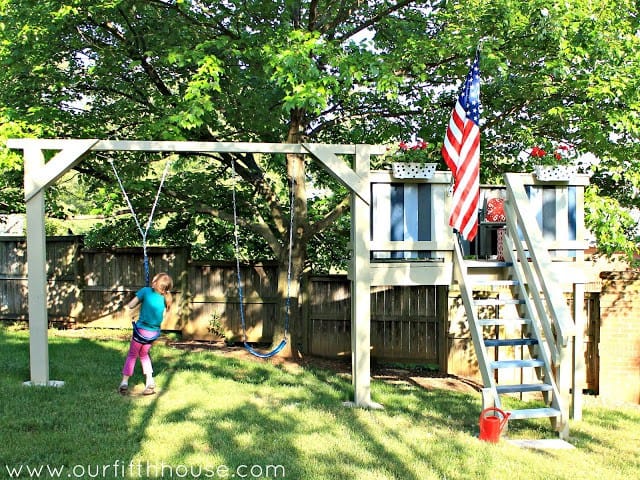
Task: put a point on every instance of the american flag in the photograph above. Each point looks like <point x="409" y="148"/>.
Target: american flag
<point x="461" y="152"/>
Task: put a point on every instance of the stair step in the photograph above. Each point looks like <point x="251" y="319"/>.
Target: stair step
<point x="487" y="264"/>
<point x="534" y="413"/>
<point x="494" y="283"/>
<point x="524" y="387"/>
<point x="509" y="342"/>
<point x="517" y="363"/>
<point x="498" y="301"/>
<point x="490" y="322"/>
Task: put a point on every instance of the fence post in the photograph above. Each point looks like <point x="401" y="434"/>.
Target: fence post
<point x="77" y="311"/>
<point x="305" y="297"/>
<point x="184" y="312"/>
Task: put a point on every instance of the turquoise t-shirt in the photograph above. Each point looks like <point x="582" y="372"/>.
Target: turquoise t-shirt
<point x="151" y="309"/>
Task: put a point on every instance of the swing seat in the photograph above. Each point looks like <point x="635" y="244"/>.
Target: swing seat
<point x="138" y="337"/>
<point x="283" y="342"/>
<point x="270" y="354"/>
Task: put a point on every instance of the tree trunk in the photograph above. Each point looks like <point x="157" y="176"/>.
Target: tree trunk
<point x="290" y="287"/>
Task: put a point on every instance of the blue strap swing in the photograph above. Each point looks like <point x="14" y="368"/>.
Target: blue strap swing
<point x="143" y="339"/>
<point x="137" y="335"/>
<point x="246" y="343"/>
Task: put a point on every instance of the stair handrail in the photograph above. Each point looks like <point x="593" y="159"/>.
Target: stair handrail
<point x="544" y="276"/>
<point x="547" y="349"/>
<point x="533" y="302"/>
<point x="472" y="318"/>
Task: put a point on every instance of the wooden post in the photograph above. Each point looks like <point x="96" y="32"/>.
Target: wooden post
<point x="186" y="294"/>
<point x="442" y="313"/>
<point x="305" y="297"/>
<point x="579" y="370"/>
<point x="77" y="310"/>
<point x="361" y="290"/>
<point x="38" y="175"/>
<point x="36" y="273"/>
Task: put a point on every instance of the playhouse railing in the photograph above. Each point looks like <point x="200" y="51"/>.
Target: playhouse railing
<point x="410" y="239"/>
<point x="534" y="258"/>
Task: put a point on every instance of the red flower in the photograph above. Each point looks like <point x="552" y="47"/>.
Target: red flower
<point x="417" y="151"/>
<point x="537" y="152"/>
<point x="419" y="145"/>
<point x="557" y="154"/>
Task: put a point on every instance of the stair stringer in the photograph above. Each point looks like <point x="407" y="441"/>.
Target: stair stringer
<point x="490" y="397"/>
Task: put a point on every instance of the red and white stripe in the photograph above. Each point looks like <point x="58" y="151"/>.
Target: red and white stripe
<point x="461" y="152"/>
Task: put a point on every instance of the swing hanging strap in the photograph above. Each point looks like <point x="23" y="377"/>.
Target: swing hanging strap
<point x="283" y="342"/>
<point x="143" y="233"/>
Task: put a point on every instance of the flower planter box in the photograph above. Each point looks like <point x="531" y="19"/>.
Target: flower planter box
<point x="555" y="173"/>
<point x="413" y="170"/>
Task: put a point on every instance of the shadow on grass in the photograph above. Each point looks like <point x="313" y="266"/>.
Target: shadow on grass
<point x="214" y="412"/>
<point x="273" y="424"/>
<point x="277" y="422"/>
<point x="82" y="424"/>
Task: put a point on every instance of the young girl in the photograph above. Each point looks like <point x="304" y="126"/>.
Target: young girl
<point x="154" y="300"/>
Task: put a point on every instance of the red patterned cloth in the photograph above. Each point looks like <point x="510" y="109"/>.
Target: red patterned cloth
<point x="495" y="210"/>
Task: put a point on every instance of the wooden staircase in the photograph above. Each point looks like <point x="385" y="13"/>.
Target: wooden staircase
<point x="519" y="320"/>
<point x="516" y="362"/>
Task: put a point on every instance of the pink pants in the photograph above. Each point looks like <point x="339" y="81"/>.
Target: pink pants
<point x="138" y="350"/>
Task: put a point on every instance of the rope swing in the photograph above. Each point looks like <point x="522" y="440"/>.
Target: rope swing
<point x="283" y="342"/>
<point x="143" y="233"/>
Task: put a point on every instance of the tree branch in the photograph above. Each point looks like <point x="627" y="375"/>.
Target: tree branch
<point x="138" y="50"/>
<point x="343" y="14"/>
<point x="316" y="227"/>
<point x="259" y="226"/>
<point x="194" y="21"/>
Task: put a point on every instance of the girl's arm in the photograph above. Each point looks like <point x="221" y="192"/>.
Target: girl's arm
<point x="133" y="303"/>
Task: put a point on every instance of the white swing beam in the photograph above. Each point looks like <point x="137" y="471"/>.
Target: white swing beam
<point x="38" y="175"/>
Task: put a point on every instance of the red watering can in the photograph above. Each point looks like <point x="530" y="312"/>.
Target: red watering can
<point x="491" y="425"/>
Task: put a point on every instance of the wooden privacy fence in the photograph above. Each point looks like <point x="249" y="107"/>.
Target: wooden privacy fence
<point x="214" y="302"/>
<point x="64" y="272"/>
<point x="91" y="286"/>
<point x="407" y="323"/>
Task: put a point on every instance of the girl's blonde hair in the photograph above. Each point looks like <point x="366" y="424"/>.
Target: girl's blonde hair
<point x="163" y="283"/>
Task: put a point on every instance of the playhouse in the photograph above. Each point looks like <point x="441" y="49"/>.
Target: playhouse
<point x="529" y="254"/>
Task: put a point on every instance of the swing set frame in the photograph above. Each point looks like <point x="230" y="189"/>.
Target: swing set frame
<point x="40" y="174"/>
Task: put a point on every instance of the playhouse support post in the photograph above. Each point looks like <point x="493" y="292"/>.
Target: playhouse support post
<point x="579" y="367"/>
<point x="361" y="290"/>
<point x="360" y="308"/>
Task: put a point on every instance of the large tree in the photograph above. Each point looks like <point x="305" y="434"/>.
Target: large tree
<point x="318" y="71"/>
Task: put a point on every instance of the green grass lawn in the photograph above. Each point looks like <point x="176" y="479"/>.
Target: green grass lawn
<point x="221" y="417"/>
